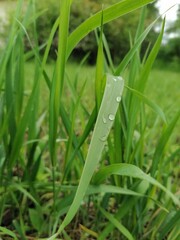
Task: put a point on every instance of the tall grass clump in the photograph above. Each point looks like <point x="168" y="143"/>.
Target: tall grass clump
<point x="72" y="172"/>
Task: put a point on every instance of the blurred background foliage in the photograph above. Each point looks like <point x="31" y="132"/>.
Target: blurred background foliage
<point x="119" y="33"/>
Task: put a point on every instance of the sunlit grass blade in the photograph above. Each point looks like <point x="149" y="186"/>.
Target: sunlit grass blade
<point x="106" y="116"/>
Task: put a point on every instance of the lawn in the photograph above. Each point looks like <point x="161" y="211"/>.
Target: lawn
<point x="163" y="85"/>
<point x="162" y="88"/>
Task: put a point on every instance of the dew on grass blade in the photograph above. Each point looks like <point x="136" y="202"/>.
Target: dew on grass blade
<point x="105" y="117"/>
<point x="111" y="117"/>
<point x="104" y="120"/>
<point x="103" y="138"/>
<point x="117" y="78"/>
<point x="120" y="78"/>
<point x="118" y="99"/>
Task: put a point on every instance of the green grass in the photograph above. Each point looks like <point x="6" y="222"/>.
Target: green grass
<point x="83" y="152"/>
<point x="162" y="86"/>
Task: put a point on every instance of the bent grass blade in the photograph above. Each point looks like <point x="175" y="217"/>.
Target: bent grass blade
<point x="124" y="169"/>
<point x="109" y="14"/>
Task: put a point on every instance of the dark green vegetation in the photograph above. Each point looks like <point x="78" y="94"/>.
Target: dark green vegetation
<point x="84" y="154"/>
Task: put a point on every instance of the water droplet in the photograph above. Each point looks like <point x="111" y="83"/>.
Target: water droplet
<point x="103" y="138"/>
<point x="104" y="120"/>
<point x="118" y="99"/>
<point x="115" y="79"/>
<point x="120" y="78"/>
<point x="111" y="117"/>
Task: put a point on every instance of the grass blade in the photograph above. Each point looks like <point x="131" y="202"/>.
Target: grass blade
<point x="127" y="204"/>
<point x="162" y="144"/>
<point x="99" y="81"/>
<point x="140" y="85"/>
<point x="58" y="80"/>
<point x="134" y="48"/>
<point x="124" y="169"/>
<point x="150" y="103"/>
<point x="106" y="116"/>
<point x="117" y="224"/>
<point x="110" y="13"/>
<point x="172" y="220"/>
<point x="5" y="231"/>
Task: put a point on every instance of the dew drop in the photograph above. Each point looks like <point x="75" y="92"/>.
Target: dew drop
<point x="115" y="79"/>
<point x="103" y="138"/>
<point x="111" y="117"/>
<point x="120" y="78"/>
<point x="118" y="99"/>
<point x="104" y="120"/>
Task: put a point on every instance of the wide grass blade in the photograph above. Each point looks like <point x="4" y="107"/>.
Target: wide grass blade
<point x="106" y="116"/>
